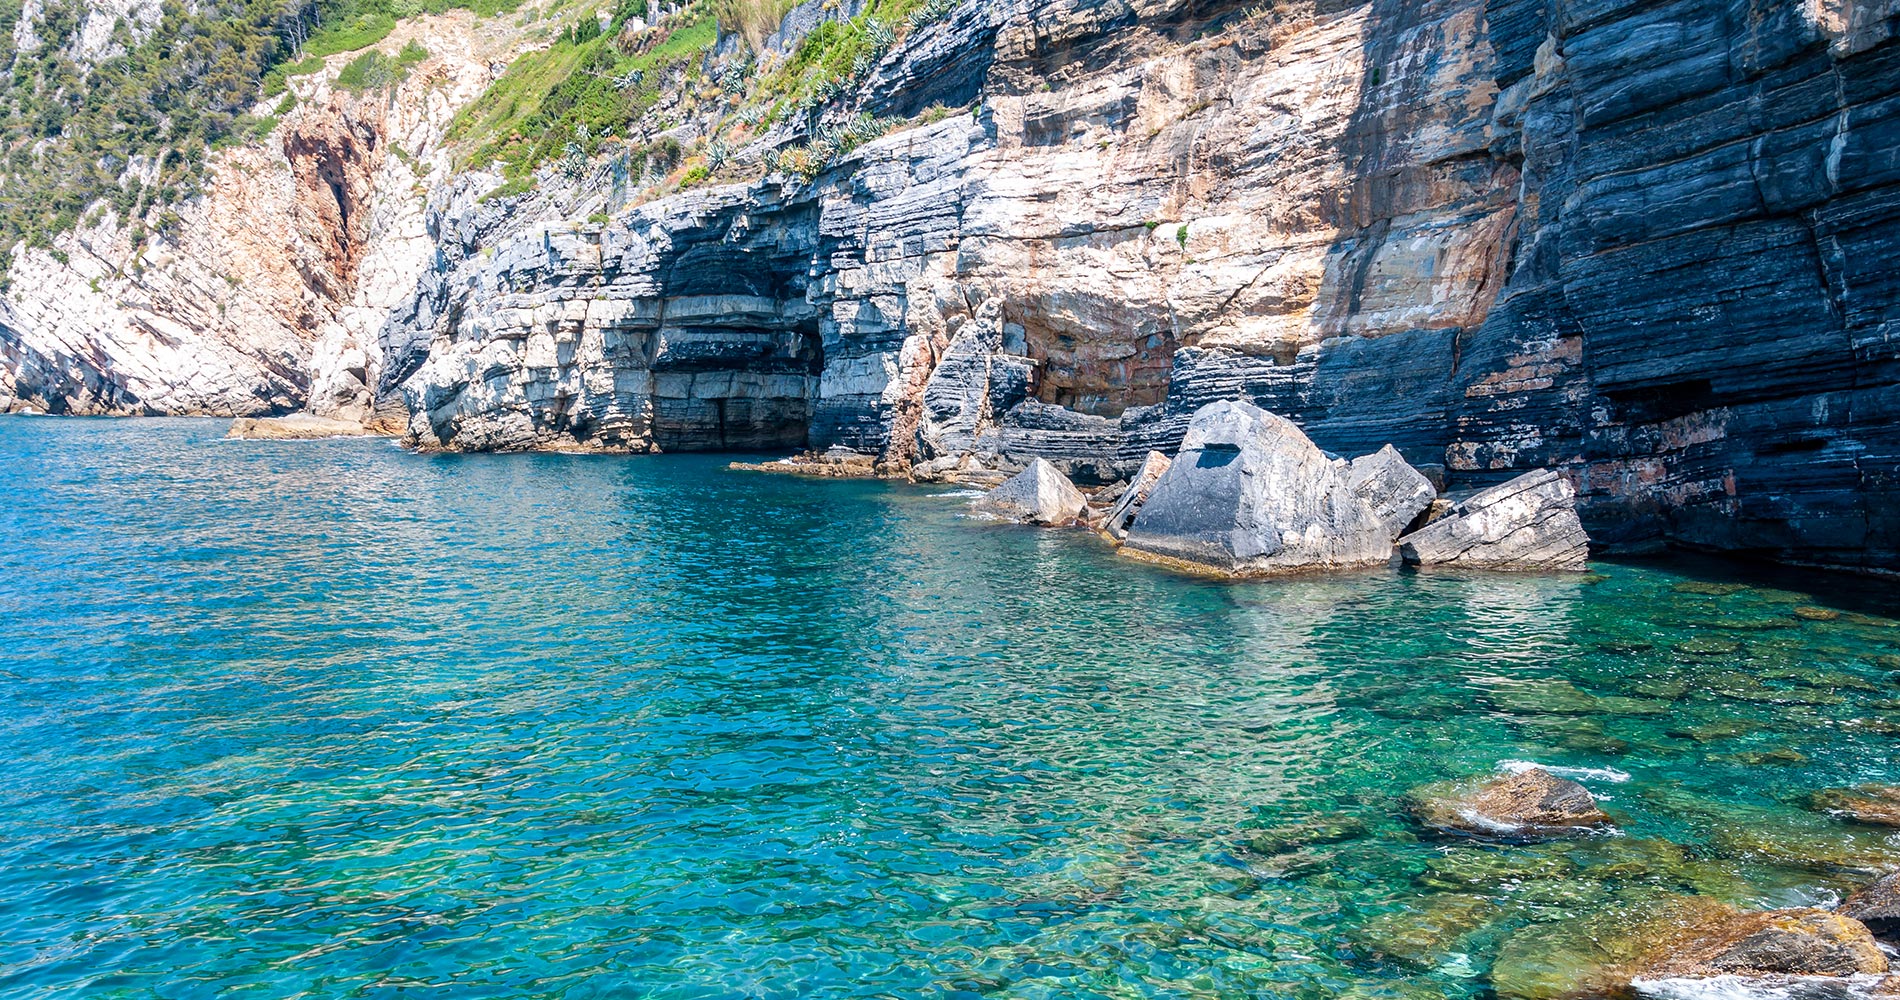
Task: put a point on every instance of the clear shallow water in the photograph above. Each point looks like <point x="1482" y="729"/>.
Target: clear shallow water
<point x="332" y="720"/>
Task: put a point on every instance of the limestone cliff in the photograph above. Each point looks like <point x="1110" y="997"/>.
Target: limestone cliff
<point x="1649" y="243"/>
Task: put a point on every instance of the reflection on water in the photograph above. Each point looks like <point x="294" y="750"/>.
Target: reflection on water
<point x="327" y="720"/>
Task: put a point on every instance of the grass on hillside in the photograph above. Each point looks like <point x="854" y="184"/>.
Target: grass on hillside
<point x="582" y="88"/>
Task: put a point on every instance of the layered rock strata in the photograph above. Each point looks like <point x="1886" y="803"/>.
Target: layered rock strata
<point x="1647" y="244"/>
<point x="1528" y="523"/>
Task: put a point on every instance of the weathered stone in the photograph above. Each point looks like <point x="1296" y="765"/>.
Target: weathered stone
<point x="1877" y="906"/>
<point x="1530" y="805"/>
<point x="1793" y="942"/>
<point x="1875" y="804"/>
<point x="1128" y="506"/>
<point x="1681" y="938"/>
<point x="1250" y="494"/>
<point x="1040" y="494"/>
<point x="1396" y="492"/>
<point x="1529" y="523"/>
<point x="296" y="427"/>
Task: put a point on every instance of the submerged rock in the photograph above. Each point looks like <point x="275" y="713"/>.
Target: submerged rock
<point x="1876" y="804"/>
<point x="1123" y="511"/>
<point x="1878" y="907"/>
<point x="1528" y="523"/>
<point x="1250" y="494"/>
<point x="1040" y="494"/>
<point x="1532" y="804"/>
<point x="1397" y="493"/>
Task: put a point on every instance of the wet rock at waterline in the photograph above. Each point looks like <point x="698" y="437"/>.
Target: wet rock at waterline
<point x="1877" y="906"/>
<point x="1396" y="492"/>
<point x="1527" y="523"/>
<point x="1122" y="512"/>
<point x="1040" y="494"/>
<point x="837" y="463"/>
<point x="1530" y="805"/>
<point x="1875" y="804"/>
<point x="1250" y="494"/>
<point x="1685" y="941"/>
<point x="296" y="427"/>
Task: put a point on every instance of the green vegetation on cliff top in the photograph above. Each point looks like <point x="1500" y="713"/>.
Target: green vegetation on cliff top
<point x="133" y="127"/>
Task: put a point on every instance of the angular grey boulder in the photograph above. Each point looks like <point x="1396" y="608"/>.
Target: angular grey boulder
<point x="1250" y="494"/>
<point x="1040" y="494"/>
<point x="1122" y="512"/>
<point x="1397" y="492"/>
<point x="1529" y="523"/>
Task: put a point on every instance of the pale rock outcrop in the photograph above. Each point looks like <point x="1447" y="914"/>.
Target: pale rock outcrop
<point x="296" y="427"/>
<point x="1040" y="494"/>
<point x="1126" y="507"/>
<point x="1529" y="523"/>
<point x="268" y="293"/>
<point x="1397" y="492"/>
<point x="1250" y="494"/>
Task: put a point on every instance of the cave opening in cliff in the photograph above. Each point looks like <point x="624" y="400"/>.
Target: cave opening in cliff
<point x="1091" y="356"/>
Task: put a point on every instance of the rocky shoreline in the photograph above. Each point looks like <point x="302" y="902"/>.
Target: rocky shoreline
<point x="1249" y="494"/>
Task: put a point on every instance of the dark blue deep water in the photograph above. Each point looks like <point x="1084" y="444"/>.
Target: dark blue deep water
<point x="333" y="720"/>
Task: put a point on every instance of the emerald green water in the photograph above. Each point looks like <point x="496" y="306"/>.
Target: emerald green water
<point x="333" y="720"/>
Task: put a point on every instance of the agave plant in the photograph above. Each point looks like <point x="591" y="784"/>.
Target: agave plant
<point x="931" y="12"/>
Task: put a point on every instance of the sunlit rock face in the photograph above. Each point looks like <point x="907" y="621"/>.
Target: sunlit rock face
<point x="1646" y="244"/>
<point x="1643" y="244"/>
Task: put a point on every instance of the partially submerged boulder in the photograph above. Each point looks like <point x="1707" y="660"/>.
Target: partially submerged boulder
<point x="1040" y="494"/>
<point x="1682" y="940"/>
<point x="1529" y="523"/>
<point x="1396" y="492"/>
<point x="1878" y="907"/>
<point x="1878" y="805"/>
<point x="1250" y="494"/>
<point x="1122" y="512"/>
<point x="1530" y="805"/>
<point x="1792" y="942"/>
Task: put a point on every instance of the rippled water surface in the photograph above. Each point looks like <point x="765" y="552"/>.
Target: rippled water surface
<point x="332" y="720"/>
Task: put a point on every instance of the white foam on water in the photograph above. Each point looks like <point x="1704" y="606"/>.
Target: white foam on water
<point x="966" y="494"/>
<point x="1742" y="988"/>
<point x="1609" y="774"/>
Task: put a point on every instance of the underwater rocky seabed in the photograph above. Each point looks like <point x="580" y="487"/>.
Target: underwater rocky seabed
<point x="328" y="719"/>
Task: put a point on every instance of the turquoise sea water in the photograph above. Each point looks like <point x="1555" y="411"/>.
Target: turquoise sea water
<point x="332" y="720"/>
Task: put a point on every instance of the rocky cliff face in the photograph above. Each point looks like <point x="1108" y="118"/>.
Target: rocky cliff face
<point x="258" y="296"/>
<point x="1651" y="244"/>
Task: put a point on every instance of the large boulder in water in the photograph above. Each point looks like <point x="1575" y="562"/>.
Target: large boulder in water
<point x="1040" y="494"/>
<point x="1249" y="494"/>
<point x="1122" y="512"/>
<point x="1528" y="523"/>
<point x="1532" y="804"/>
<point x="1396" y="492"/>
